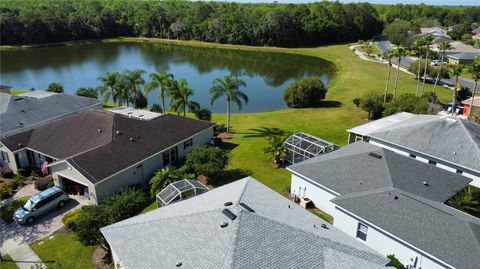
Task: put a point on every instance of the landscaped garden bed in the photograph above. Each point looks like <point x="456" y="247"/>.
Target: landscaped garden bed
<point x="6" y="212"/>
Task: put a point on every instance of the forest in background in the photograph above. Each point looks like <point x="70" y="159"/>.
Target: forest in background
<point x="286" y="25"/>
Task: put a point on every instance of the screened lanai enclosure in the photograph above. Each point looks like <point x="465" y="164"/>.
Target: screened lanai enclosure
<point x="302" y="146"/>
<point x="180" y="190"/>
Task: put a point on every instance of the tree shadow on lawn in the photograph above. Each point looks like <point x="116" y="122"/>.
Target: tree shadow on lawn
<point x="328" y="104"/>
<point x="228" y="176"/>
<point x="265" y="132"/>
<point x="228" y="146"/>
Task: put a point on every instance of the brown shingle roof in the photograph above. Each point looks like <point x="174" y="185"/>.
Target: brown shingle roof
<point x="98" y="155"/>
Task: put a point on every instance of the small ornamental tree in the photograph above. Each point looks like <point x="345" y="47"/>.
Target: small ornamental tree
<point x="207" y="161"/>
<point x="55" y="87"/>
<point x="204" y="114"/>
<point x="127" y="203"/>
<point x="89" y="222"/>
<point x="307" y="92"/>
<point x="156" y="108"/>
<point x="373" y="104"/>
<point x="87" y="92"/>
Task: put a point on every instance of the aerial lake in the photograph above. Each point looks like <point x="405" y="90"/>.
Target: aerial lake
<point x="266" y="74"/>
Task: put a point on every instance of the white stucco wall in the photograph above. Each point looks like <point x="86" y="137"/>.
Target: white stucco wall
<point x="318" y="194"/>
<point x="384" y="243"/>
<point x="475" y="176"/>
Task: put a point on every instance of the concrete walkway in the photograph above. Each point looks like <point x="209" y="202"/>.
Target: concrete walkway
<point x="27" y="190"/>
<point x="23" y="256"/>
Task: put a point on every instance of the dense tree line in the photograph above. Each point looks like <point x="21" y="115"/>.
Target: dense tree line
<point x="35" y="22"/>
<point x="429" y="15"/>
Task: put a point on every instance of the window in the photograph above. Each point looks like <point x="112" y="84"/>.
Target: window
<point x="170" y="155"/>
<point x="459" y="172"/>
<point x="362" y="231"/>
<point x="413" y="156"/>
<point x="187" y="143"/>
<point x="432" y="162"/>
<point x="5" y="157"/>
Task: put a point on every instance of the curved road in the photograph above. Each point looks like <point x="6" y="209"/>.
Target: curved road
<point x="384" y="46"/>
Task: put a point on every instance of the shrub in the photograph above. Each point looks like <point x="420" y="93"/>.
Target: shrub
<point x="407" y="103"/>
<point x="6" y="190"/>
<point x="18" y="181"/>
<point x="373" y="104"/>
<point x="307" y="92"/>
<point x="356" y="102"/>
<point x="414" y="67"/>
<point x="394" y="262"/>
<point x="156" y="108"/>
<point x="127" y="203"/>
<point x="463" y="94"/>
<point x="55" y="87"/>
<point x="88" y="223"/>
<point x="87" y="92"/>
<point x="204" y="114"/>
<point x="141" y="101"/>
<point x="69" y="219"/>
<point x="162" y="178"/>
<point x="6" y="212"/>
<point x="207" y="161"/>
<point x="41" y="183"/>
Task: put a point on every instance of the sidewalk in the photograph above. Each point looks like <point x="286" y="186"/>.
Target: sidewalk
<point x="23" y="255"/>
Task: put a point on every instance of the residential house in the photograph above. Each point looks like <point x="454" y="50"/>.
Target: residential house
<point x="464" y="58"/>
<point x="243" y="224"/>
<point x="22" y="112"/>
<point x="474" y="109"/>
<point x="447" y="142"/>
<point x="439" y="34"/>
<point x="95" y="153"/>
<point x="393" y="204"/>
<point x="476" y="33"/>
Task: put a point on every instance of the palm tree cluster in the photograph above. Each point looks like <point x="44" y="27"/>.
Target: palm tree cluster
<point x="421" y="47"/>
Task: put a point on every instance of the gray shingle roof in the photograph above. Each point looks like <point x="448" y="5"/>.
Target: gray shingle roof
<point x="279" y="234"/>
<point x="433" y="227"/>
<point x="448" y="138"/>
<point x="33" y="111"/>
<point x="354" y="169"/>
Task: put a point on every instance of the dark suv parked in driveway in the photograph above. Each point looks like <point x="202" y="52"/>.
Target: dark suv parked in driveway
<point x="40" y="204"/>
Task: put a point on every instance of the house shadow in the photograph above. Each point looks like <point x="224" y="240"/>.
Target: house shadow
<point x="228" y="146"/>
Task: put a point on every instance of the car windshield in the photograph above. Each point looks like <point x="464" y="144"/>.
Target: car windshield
<point x="29" y="205"/>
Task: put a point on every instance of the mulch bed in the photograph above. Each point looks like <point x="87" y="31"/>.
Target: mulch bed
<point x="225" y="136"/>
<point x="100" y="259"/>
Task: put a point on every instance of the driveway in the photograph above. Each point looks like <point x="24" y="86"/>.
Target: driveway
<point x="15" y="238"/>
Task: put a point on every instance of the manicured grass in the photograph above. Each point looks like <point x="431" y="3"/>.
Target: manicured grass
<point x="15" y="92"/>
<point x="466" y="74"/>
<point x="65" y="251"/>
<point x="6" y="212"/>
<point x="322" y="215"/>
<point x="151" y="207"/>
<point x="7" y="263"/>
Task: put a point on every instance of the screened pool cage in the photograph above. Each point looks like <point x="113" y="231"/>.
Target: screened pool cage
<point x="302" y="146"/>
<point x="180" y="190"/>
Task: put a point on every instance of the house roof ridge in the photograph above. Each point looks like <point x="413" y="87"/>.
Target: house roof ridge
<point x="462" y="123"/>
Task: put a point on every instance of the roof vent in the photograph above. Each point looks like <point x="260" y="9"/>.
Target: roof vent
<point x="375" y="155"/>
<point x="229" y="214"/>
<point x="131" y="139"/>
<point x="289" y="206"/>
<point x="228" y="204"/>
<point x="23" y="110"/>
<point x="20" y="145"/>
<point x="324" y="226"/>
<point x="249" y="209"/>
<point x="425" y="183"/>
<point x="117" y="132"/>
<point x="99" y="130"/>
<point x="224" y="224"/>
<point x="396" y="197"/>
<point x="178" y="264"/>
<point x="454" y="153"/>
<point x="20" y="123"/>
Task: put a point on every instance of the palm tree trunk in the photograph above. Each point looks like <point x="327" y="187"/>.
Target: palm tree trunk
<point x="425" y="72"/>
<point x="418" y="75"/>
<point x="396" y="79"/>
<point x="386" y="84"/>
<point x="473" y="96"/>
<point x="184" y="110"/>
<point x="454" y="95"/>
<point x="228" y="115"/>
<point x="439" y="73"/>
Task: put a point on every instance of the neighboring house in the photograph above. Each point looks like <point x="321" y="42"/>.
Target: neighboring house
<point x="433" y="31"/>
<point x="476" y="33"/>
<point x="22" y="112"/>
<point x="243" y="224"/>
<point x="475" y="109"/>
<point x="439" y="34"/>
<point x="96" y="152"/>
<point x="447" y="142"/>
<point x="464" y="58"/>
<point x="392" y="203"/>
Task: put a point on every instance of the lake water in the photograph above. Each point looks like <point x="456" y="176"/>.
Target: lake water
<point x="266" y="74"/>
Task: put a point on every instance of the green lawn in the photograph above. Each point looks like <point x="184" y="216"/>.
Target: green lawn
<point x="65" y="251"/>
<point x="466" y="74"/>
<point x="6" y="212"/>
<point x="15" y="92"/>
<point x="151" y="207"/>
<point x="7" y="263"/>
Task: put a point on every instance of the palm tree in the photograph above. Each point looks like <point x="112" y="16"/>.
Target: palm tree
<point x="475" y="70"/>
<point x="161" y="80"/>
<point x="443" y="47"/>
<point x="467" y="200"/>
<point x="107" y="90"/>
<point x="135" y="82"/>
<point x="387" y="56"/>
<point x="180" y="95"/>
<point x="161" y="179"/>
<point x="456" y="71"/>
<point x="399" y="53"/>
<point x="418" y="48"/>
<point x="427" y="42"/>
<point x="229" y="87"/>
